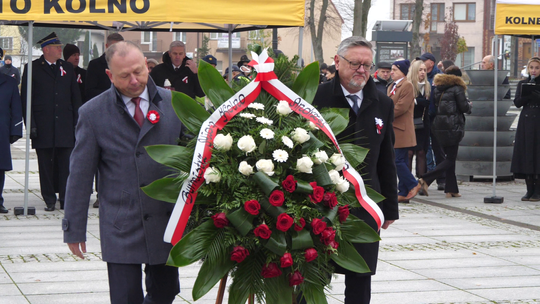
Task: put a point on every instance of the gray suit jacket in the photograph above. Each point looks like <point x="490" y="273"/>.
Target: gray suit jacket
<point x="108" y="139"/>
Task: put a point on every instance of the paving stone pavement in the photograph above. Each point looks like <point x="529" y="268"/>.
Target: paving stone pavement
<point x="457" y="250"/>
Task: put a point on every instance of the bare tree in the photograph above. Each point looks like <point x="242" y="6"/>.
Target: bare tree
<point x="416" y="49"/>
<point x="316" y="28"/>
<point x="366" y="5"/>
<point x="357" y="18"/>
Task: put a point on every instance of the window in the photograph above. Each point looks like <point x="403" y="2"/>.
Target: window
<point x="464" y="11"/>
<point x="407" y="11"/>
<point x="465" y="59"/>
<point x="179" y="36"/>
<point x="6" y="43"/>
<point x="147" y="37"/>
<point x="215" y="36"/>
<point x="437" y="15"/>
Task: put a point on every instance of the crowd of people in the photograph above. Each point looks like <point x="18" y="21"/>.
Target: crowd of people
<point x="404" y="111"/>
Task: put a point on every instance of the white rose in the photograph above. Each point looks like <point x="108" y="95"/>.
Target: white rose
<point x="247" y="144"/>
<point x="287" y="142"/>
<point x="343" y="186"/>
<point x="320" y="157"/>
<point x="312" y="126"/>
<point x="211" y="175"/>
<point x="283" y="108"/>
<point x="223" y="142"/>
<point x="334" y="176"/>
<point x="304" y="164"/>
<point x="300" y="135"/>
<point x="245" y="168"/>
<point x="337" y="160"/>
<point x="266" y="166"/>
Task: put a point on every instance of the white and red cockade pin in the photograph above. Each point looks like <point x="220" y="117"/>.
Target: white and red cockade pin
<point x="62" y="71"/>
<point x="185" y="79"/>
<point x="153" y="116"/>
<point x="379" y="124"/>
<point x="79" y="79"/>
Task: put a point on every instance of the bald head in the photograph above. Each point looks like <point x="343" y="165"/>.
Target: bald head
<point x="488" y="63"/>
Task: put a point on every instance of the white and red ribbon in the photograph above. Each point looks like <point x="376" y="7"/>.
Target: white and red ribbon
<point x="62" y="71"/>
<point x="267" y="80"/>
<point x="79" y="79"/>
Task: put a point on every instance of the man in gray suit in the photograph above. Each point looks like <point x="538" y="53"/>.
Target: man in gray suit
<point x="111" y="135"/>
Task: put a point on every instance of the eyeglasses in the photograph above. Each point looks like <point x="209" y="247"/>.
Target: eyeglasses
<point x="356" y="66"/>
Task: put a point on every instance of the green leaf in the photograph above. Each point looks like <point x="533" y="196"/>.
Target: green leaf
<point x="312" y="144"/>
<point x="165" y="189"/>
<point x="315" y="294"/>
<point x="266" y="184"/>
<point x="307" y="82"/>
<point x="190" y="112"/>
<point x="354" y="154"/>
<point x="277" y="243"/>
<point x="209" y="275"/>
<point x="337" y="118"/>
<point x="173" y="156"/>
<point x="271" y="209"/>
<point x="303" y="187"/>
<point x="348" y="258"/>
<point x="374" y="195"/>
<point x="320" y="173"/>
<point x="355" y="230"/>
<point x="192" y="247"/>
<point x="282" y="294"/>
<point x="241" y="220"/>
<point x="330" y="214"/>
<point x="301" y="240"/>
<point x="213" y="84"/>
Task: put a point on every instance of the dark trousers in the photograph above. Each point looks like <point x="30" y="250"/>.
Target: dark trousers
<point x="125" y="284"/>
<point x="439" y="154"/>
<point x="447" y="167"/>
<point x="357" y="289"/>
<point x="406" y="179"/>
<point x="50" y="160"/>
<point x="2" y="181"/>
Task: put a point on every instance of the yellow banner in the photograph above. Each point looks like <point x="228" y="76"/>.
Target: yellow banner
<point x="517" y="19"/>
<point x="256" y="12"/>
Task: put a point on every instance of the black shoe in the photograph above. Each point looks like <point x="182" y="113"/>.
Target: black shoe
<point x="441" y="186"/>
<point x="96" y="203"/>
<point x="3" y="209"/>
<point x="61" y="205"/>
<point x="50" y="207"/>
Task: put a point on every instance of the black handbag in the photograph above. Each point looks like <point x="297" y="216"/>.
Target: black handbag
<point x="418" y="123"/>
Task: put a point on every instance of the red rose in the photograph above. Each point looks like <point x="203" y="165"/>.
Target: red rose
<point x="277" y="198"/>
<point x="296" y="279"/>
<point x="328" y="235"/>
<point x="289" y="184"/>
<point x="239" y="253"/>
<point x="334" y="244"/>
<point x="318" y="193"/>
<point x="252" y="207"/>
<point x="263" y="231"/>
<point x="318" y="226"/>
<point x="270" y="271"/>
<point x="286" y="260"/>
<point x="300" y="225"/>
<point x="311" y="254"/>
<point x="220" y="220"/>
<point x="343" y="213"/>
<point x="284" y="222"/>
<point x="330" y="200"/>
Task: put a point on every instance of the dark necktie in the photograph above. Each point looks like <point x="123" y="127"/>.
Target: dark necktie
<point x="53" y="66"/>
<point x="354" y="99"/>
<point x="176" y="69"/>
<point x="139" y="117"/>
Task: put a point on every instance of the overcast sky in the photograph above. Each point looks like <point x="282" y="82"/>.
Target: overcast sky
<point x="380" y="10"/>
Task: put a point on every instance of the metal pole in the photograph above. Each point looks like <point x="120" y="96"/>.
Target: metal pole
<point x="300" y="44"/>
<point x="496" y="51"/>
<point x="274" y="39"/>
<point x="229" y="76"/>
<point x="28" y="114"/>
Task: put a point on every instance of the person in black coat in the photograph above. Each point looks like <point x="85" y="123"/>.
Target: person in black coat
<point x="382" y="77"/>
<point x="370" y="126"/>
<point x="10" y="126"/>
<point x="55" y="102"/>
<point x="9" y="70"/>
<point x="97" y="80"/>
<point x="72" y="55"/>
<point x="526" y="157"/>
<point x="180" y="70"/>
<point x="448" y="127"/>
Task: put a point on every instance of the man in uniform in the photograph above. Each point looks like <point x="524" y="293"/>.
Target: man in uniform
<point x="180" y="70"/>
<point x="10" y="70"/>
<point x="113" y="130"/>
<point x="370" y="126"/>
<point x="55" y="102"/>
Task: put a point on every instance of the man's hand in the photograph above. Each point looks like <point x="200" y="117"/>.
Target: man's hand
<point x="74" y="247"/>
<point x="192" y="66"/>
<point x="386" y="224"/>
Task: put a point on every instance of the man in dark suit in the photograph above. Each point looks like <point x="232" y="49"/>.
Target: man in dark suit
<point x="98" y="81"/>
<point x="55" y="102"/>
<point x="10" y="125"/>
<point x="72" y="55"/>
<point x="112" y="132"/>
<point x="370" y="126"/>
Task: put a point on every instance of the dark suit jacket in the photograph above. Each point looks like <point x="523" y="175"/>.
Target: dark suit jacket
<point x="132" y="224"/>
<point x="55" y="102"/>
<point x="379" y="169"/>
<point x="10" y="119"/>
<point x="97" y="80"/>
